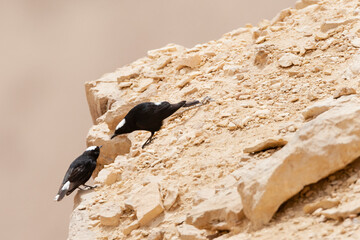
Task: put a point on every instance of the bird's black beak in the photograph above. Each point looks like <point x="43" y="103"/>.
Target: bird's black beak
<point x="113" y="136"/>
<point x="100" y="146"/>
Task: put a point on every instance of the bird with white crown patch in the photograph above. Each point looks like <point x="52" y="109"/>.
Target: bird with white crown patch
<point x="79" y="172"/>
<point x="149" y="116"/>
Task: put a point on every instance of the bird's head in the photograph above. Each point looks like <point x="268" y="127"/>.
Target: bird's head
<point x="93" y="151"/>
<point x="121" y="128"/>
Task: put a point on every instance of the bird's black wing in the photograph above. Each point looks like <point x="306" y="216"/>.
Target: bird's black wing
<point x="165" y="109"/>
<point x="149" y="115"/>
<point x="77" y="173"/>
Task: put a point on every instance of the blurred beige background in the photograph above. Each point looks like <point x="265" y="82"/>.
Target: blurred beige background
<point x="48" y="49"/>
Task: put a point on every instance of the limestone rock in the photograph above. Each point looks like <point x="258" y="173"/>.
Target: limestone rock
<point x="318" y="108"/>
<point x="191" y="61"/>
<point x="168" y="49"/>
<point x="288" y="60"/>
<point x="156" y="235"/>
<point x="188" y="232"/>
<point x="343" y="211"/>
<point x="107" y="176"/>
<point x="356" y="42"/>
<point x="266" y="144"/>
<point x="183" y="82"/>
<point x="110" y="214"/>
<point x="129" y="228"/>
<point x="328" y="25"/>
<point x="124" y="85"/>
<point x="281" y="16"/>
<point x="324" y="204"/>
<point x="203" y="194"/>
<point x="170" y="197"/>
<point x="189" y="91"/>
<point x="238" y="31"/>
<point x="221" y="212"/>
<point x="263" y="114"/>
<point x="261" y="57"/>
<point x="343" y="91"/>
<point x="326" y="144"/>
<point x="163" y="61"/>
<point x="127" y="73"/>
<point x="100" y="95"/>
<point x="80" y="219"/>
<point x="321" y="36"/>
<point x="146" y="202"/>
<point x="144" y="84"/>
<point x="326" y="104"/>
<point x="354" y="65"/>
<point x="232" y="126"/>
<point x="304" y="3"/>
<point x="230" y="70"/>
<point x="83" y="197"/>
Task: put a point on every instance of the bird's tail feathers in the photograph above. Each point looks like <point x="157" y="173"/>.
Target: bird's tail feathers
<point x="62" y="191"/>
<point x="60" y="195"/>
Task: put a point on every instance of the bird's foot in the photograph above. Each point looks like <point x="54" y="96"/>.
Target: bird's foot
<point x="89" y="187"/>
<point x="206" y="100"/>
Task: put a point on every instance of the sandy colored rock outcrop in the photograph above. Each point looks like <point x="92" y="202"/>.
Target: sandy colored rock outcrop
<point x="188" y="232"/>
<point x="110" y="214"/>
<point x="266" y="144"/>
<point x="288" y="82"/>
<point x="220" y="212"/>
<point x="323" y="204"/>
<point x="321" y="147"/>
<point x="351" y="208"/>
<point x="146" y="202"/>
<point x="79" y="220"/>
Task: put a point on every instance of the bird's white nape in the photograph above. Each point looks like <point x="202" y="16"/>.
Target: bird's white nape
<point x="91" y="148"/>
<point x="158" y="103"/>
<point x="66" y="186"/>
<point x="122" y="123"/>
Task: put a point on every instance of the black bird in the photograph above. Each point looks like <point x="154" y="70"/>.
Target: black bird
<point x="79" y="172"/>
<point x="148" y="116"/>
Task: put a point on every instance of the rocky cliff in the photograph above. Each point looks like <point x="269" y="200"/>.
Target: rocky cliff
<point x="273" y="156"/>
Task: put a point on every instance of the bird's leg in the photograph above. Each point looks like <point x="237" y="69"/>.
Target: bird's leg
<point x="148" y="141"/>
<point x="89" y="187"/>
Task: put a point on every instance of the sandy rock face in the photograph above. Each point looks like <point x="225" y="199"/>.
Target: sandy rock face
<point x="289" y="60"/>
<point x="221" y="212"/>
<point x="188" y="232"/>
<point x="343" y="211"/>
<point x="284" y="115"/>
<point x="79" y="228"/>
<point x="146" y="202"/>
<point x="268" y="143"/>
<point x="110" y="214"/>
<point x="322" y="146"/>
